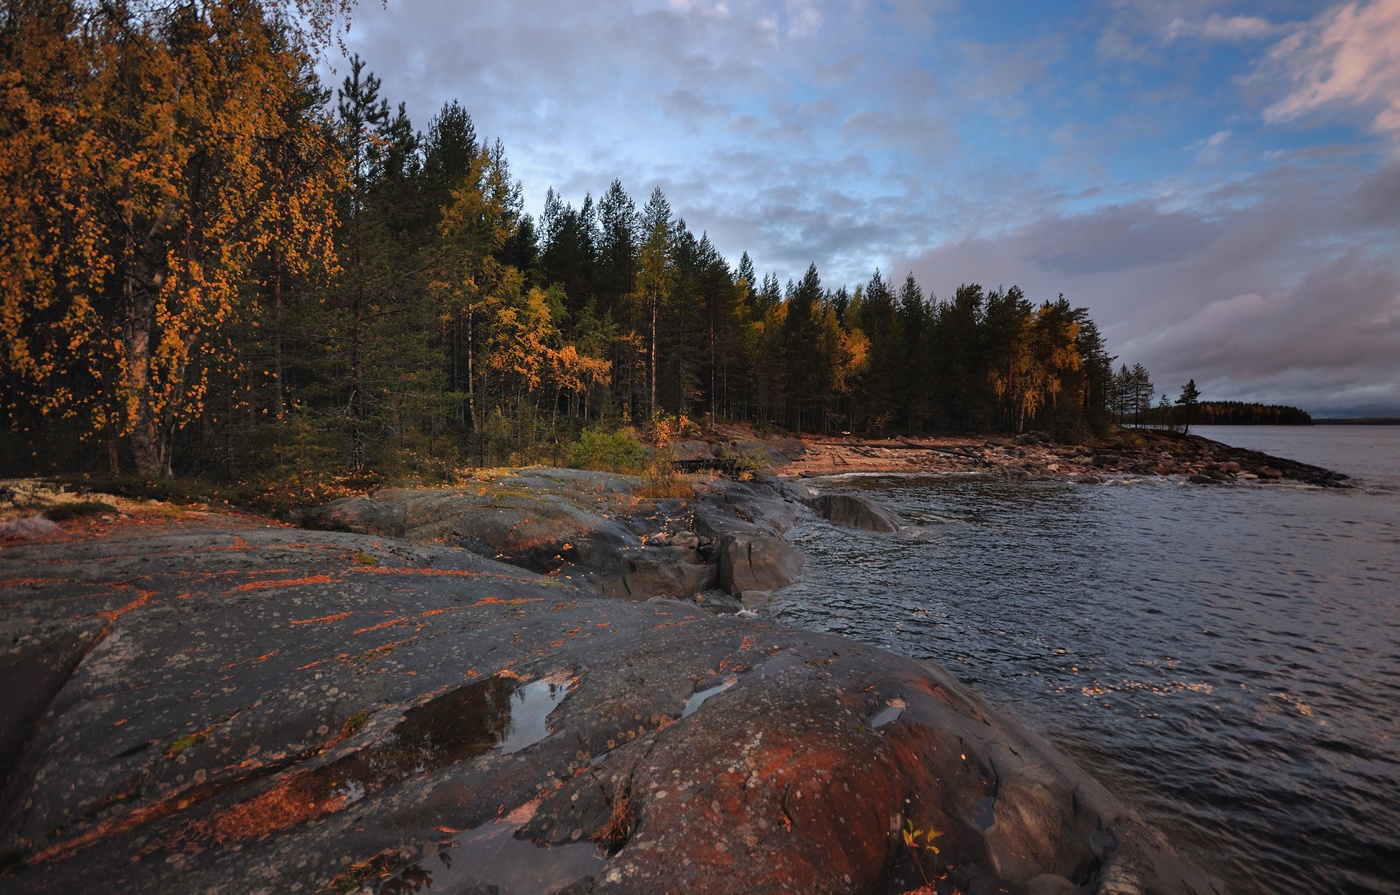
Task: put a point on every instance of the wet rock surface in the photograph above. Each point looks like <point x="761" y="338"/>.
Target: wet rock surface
<point x="254" y="708"/>
<point x="854" y="511"/>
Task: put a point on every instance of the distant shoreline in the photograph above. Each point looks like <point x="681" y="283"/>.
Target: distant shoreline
<point x="1133" y="452"/>
<point x="1360" y="421"/>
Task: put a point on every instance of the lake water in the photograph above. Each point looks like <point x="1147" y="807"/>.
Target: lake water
<point x="1225" y="658"/>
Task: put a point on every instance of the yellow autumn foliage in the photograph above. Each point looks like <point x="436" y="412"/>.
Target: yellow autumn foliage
<point x="151" y="154"/>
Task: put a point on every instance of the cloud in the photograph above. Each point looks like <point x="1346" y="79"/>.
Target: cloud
<point x="1348" y="57"/>
<point x="1281" y="288"/>
<point x="1222" y="28"/>
<point x="803" y="20"/>
<point x="1210" y="149"/>
<point x="933" y="136"/>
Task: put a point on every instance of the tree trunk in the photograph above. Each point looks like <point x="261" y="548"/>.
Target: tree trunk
<point x="142" y="283"/>
<point x="279" y="405"/>
<point x="713" y="376"/>
<point x="655" y="309"/>
<point x="150" y="449"/>
<point x="471" y="374"/>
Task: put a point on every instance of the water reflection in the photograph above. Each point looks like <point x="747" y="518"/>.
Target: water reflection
<point x="457" y="726"/>
<point x="697" y="698"/>
<point x="491" y="859"/>
<point x="497" y="713"/>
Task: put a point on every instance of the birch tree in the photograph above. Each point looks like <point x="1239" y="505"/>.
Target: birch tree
<point x="138" y="143"/>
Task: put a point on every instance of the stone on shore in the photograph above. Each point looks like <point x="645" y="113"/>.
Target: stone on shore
<point x="1137" y="452"/>
<point x="854" y="511"/>
<point x="587" y="528"/>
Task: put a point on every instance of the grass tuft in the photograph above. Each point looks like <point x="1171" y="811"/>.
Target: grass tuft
<point x="64" y="511"/>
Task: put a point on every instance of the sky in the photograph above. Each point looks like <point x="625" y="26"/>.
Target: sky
<point x="1217" y="182"/>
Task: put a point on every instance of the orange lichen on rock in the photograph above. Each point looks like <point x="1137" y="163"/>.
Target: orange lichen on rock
<point x="325" y="618"/>
<point x="293" y="801"/>
<point x="113" y="614"/>
<point x="285" y="582"/>
<point x="382" y="625"/>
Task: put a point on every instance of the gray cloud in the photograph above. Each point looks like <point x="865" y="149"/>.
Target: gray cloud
<point x="766" y="122"/>
<point x="861" y="134"/>
<point x="1285" y="288"/>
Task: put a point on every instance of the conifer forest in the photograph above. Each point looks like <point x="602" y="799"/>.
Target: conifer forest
<point x="215" y="264"/>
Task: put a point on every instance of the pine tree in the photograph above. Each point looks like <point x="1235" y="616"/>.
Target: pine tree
<point x="617" y="247"/>
<point x="653" y="285"/>
<point x="1189" y="399"/>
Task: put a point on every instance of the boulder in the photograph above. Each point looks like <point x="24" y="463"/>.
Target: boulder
<point x="692" y="450"/>
<point x="677" y="580"/>
<point x="760" y="503"/>
<point x="359" y="514"/>
<point x="854" y="511"/>
<point x="762" y="562"/>
<point x="585" y="527"/>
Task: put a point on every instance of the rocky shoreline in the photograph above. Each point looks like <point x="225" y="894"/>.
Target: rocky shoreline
<point x="216" y="703"/>
<point x="229" y="706"/>
<point x="537" y="681"/>
<point x="723" y="547"/>
<point x="1132" y="452"/>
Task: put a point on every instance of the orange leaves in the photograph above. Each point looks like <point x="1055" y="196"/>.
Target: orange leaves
<point x="144" y="182"/>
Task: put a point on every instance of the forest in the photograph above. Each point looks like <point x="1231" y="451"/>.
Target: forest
<point x="216" y="265"/>
<point x="1244" y="413"/>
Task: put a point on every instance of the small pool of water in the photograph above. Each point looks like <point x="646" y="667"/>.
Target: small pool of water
<point x="490" y="859"/>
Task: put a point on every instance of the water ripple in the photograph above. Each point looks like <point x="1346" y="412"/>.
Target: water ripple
<point x="1228" y="659"/>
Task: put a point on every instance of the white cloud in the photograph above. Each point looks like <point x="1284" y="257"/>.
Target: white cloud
<point x="718" y="10"/>
<point x="803" y="20"/>
<point x="1222" y="28"/>
<point x="1348" y="57"/>
<point x="1211" y="148"/>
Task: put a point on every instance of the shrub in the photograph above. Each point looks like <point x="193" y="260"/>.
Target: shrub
<point x="617" y="451"/>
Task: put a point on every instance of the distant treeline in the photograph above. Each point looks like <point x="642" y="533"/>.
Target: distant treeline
<point x="230" y="271"/>
<point x="1243" y="413"/>
<point x="1361" y="421"/>
<point x="1224" y="413"/>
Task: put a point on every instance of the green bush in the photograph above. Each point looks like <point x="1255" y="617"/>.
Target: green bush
<point x="616" y="451"/>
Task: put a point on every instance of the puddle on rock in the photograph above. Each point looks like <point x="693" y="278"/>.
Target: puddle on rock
<point x="696" y="699"/>
<point x="888" y="715"/>
<point x="464" y="724"/>
<point x="984" y="813"/>
<point x="491" y="859"/>
<point x="529" y="711"/>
